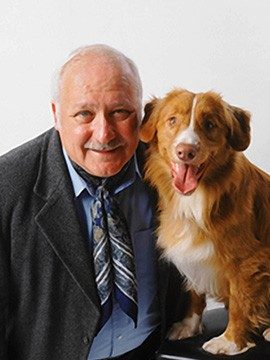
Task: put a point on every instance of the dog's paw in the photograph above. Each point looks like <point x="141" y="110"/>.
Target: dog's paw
<point x="186" y="328"/>
<point x="266" y="334"/>
<point x="221" y="345"/>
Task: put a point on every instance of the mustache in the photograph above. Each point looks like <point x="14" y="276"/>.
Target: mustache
<point x="111" y="145"/>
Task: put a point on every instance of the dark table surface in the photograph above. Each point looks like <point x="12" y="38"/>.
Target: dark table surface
<point x="214" y="324"/>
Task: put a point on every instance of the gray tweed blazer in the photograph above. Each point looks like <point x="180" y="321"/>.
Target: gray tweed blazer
<point x="49" y="305"/>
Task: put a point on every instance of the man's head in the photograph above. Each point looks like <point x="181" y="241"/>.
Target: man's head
<point x="97" y="109"/>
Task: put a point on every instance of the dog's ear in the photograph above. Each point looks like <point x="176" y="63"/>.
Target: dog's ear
<point x="239" y="133"/>
<point x="148" y="126"/>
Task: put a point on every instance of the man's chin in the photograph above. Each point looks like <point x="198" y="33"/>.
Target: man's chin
<point x="106" y="163"/>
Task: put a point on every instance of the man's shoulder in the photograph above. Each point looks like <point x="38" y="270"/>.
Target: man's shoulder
<point x="20" y="163"/>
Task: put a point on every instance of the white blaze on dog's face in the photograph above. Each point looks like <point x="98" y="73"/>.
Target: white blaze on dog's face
<point x="194" y="133"/>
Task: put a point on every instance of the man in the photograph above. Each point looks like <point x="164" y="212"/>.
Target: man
<point x="61" y="196"/>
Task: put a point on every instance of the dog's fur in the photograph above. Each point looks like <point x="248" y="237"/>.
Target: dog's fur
<point x="214" y="211"/>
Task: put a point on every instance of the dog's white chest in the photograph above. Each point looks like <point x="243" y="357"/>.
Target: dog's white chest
<point x="193" y="258"/>
<point x="195" y="264"/>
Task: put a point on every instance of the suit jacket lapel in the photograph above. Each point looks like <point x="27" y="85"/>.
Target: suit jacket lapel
<point x="58" y="220"/>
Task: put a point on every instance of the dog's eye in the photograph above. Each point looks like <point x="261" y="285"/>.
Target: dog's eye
<point x="172" y="120"/>
<point x="208" y="125"/>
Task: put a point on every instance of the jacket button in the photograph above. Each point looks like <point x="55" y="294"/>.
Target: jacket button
<point x="86" y="340"/>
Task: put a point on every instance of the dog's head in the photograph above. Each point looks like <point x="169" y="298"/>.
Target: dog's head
<point x="194" y="133"/>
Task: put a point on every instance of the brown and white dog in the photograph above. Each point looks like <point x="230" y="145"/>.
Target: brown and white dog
<point x="214" y="212"/>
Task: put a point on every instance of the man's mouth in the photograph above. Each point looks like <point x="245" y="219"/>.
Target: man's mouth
<point x="186" y="176"/>
<point x="104" y="148"/>
<point x="105" y="151"/>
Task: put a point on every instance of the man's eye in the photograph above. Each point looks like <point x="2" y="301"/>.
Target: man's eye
<point x="83" y="116"/>
<point x="83" y="113"/>
<point x="120" y="114"/>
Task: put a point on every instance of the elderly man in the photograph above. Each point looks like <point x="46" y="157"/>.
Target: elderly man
<point x="79" y="274"/>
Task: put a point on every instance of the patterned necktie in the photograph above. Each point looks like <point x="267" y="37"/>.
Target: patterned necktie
<point x="112" y="247"/>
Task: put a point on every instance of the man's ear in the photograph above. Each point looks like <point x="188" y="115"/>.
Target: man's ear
<point x="55" y="115"/>
<point x="148" y="126"/>
<point x="239" y="132"/>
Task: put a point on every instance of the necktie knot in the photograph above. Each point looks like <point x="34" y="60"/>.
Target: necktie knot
<point x="102" y="192"/>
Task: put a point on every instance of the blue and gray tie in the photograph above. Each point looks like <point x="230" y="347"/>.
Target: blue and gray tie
<point x="112" y="247"/>
<point x="113" y="256"/>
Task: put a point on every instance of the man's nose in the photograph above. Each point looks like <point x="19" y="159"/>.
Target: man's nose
<point x="103" y="129"/>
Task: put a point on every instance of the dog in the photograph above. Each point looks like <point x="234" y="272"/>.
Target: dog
<point x="214" y="212"/>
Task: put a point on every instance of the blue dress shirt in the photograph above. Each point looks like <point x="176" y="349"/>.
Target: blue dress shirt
<point x="118" y="335"/>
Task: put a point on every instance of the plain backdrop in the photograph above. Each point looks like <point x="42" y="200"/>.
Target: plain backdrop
<point x="221" y="45"/>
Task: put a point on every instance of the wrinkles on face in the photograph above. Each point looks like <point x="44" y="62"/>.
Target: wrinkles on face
<point x="98" y="117"/>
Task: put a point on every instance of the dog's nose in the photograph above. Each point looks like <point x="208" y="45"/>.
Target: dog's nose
<point x="186" y="152"/>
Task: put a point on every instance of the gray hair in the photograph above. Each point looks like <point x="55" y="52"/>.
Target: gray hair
<point x="112" y="55"/>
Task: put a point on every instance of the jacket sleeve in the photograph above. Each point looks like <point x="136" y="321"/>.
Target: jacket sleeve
<point x="4" y="295"/>
<point x="174" y="299"/>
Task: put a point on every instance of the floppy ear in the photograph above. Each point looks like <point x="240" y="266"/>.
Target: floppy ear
<point x="239" y="133"/>
<point x="148" y="126"/>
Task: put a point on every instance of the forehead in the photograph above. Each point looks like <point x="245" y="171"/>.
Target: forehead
<point x="90" y="73"/>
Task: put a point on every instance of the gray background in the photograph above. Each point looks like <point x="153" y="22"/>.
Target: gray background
<point x="222" y="45"/>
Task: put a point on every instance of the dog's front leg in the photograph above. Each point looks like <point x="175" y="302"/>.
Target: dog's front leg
<point x="192" y="324"/>
<point x="234" y="340"/>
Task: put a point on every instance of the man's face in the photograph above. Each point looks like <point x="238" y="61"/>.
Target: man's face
<point x="96" y="116"/>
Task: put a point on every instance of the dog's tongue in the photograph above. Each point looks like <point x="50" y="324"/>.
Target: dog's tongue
<point x="184" y="178"/>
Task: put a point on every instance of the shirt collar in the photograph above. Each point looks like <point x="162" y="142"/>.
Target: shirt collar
<point x="79" y="184"/>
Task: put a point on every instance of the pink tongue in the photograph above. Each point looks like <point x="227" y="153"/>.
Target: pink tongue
<point x="184" y="178"/>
